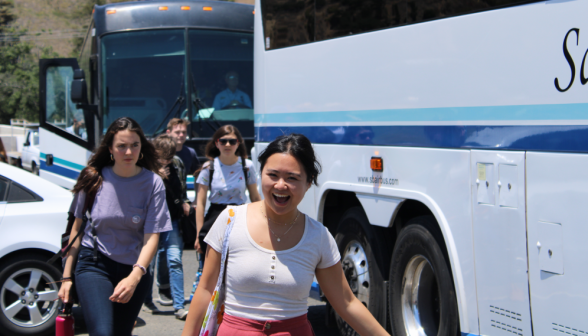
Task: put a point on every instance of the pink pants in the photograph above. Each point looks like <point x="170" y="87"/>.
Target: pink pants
<point x="297" y="326"/>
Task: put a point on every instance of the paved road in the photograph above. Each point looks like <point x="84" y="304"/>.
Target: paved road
<point x="167" y="324"/>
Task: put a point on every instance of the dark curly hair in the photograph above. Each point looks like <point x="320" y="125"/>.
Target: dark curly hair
<point x="300" y="148"/>
<point x="90" y="178"/>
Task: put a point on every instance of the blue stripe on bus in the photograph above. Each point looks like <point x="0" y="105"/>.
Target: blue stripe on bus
<point x="468" y="334"/>
<point x="540" y="138"/>
<point x="59" y="170"/>
<point x="63" y="162"/>
<point x="473" y="113"/>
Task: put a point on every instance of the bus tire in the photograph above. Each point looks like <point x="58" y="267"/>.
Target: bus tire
<point x="358" y="259"/>
<point x="421" y="292"/>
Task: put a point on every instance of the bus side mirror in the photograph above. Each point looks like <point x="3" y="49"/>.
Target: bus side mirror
<point x="79" y="88"/>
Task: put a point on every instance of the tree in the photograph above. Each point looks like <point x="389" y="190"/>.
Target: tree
<point x="19" y="71"/>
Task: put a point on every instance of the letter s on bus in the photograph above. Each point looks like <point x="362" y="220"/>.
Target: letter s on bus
<point x="569" y="59"/>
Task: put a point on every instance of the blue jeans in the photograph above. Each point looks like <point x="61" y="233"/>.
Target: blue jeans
<point x="171" y="245"/>
<point x="95" y="283"/>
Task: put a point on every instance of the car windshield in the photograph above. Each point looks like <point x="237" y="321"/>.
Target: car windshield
<point x="143" y="77"/>
<point x="222" y="79"/>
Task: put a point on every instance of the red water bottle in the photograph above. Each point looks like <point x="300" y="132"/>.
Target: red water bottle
<point x="64" y="323"/>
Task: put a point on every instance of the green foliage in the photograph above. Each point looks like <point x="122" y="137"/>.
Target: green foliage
<point x="6" y="13"/>
<point x="19" y="80"/>
<point x="19" y="71"/>
<point x="19" y="60"/>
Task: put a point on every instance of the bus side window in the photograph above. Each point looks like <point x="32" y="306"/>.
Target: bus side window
<point x="60" y="110"/>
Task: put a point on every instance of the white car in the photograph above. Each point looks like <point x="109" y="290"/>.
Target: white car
<point x="33" y="215"/>
<point x="31" y="154"/>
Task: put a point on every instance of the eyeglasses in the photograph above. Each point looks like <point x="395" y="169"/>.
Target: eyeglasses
<point x="224" y="142"/>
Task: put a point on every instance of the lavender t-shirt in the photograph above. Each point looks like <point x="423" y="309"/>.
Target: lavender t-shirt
<point x="124" y="210"/>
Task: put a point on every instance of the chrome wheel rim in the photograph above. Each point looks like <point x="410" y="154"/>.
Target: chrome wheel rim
<point x="420" y="298"/>
<point x="356" y="270"/>
<point x="29" y="297"/>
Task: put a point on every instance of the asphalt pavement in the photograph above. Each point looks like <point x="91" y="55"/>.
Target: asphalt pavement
<point x="167" y="324"/>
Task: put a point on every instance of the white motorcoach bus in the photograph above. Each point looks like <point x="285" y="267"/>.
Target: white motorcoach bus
<point x="453" y="137"/>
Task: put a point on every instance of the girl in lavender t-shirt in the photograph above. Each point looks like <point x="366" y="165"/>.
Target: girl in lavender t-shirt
<point x="128" y="213"/>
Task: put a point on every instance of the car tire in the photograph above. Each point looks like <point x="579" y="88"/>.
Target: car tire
<point x="34" y="168"/>
<point x="421" y="293"/>
<point x="355" y="239"/>
<point x="28" y="296"/>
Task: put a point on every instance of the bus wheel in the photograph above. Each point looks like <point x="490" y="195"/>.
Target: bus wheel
<point x="422" y="297"/>
<point x="359" y="265"/>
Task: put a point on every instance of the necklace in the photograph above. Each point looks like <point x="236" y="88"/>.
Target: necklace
<point x="278" y="238"/>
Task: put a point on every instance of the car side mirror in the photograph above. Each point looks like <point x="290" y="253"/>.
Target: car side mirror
<point x="79" y="88"/>
<point x="26" y="143"/>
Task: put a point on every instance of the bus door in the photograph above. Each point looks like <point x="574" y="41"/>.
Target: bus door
<point x="64" y="139"/>
<point x="500" y="242"/>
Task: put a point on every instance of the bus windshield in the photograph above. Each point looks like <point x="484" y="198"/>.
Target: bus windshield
<point x="222" y="79"/>
<point x="144" y="78"/>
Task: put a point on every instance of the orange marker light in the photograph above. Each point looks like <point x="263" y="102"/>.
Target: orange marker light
<point x="377" y="164"/>
<point x="111" y="11"/>
<point x="185" y="8"/>
<point x="208" y="9"/>
<point x="163" y="8"/>
<point x="253" y="12"/>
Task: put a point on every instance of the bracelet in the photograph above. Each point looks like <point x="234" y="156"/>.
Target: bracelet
<point x="141" y="268"/>
<point x="66" y="279"/>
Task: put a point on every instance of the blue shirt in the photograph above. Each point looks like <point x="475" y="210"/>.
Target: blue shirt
<point x="190" y="160"/>
<point x="225" y="97"/>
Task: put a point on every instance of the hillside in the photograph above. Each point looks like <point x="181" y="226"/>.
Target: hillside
<point x="59" y="24"/>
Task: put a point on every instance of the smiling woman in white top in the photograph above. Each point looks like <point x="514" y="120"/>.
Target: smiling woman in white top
<point x="274" y="253"/>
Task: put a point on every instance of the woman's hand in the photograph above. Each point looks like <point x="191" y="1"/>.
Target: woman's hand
<point x="64" y="291"/>
<point x="125" y="289"/>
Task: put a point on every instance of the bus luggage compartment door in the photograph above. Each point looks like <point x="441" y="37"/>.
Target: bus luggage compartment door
<point x="557" y="215"/>
<point x="500" y="244"/>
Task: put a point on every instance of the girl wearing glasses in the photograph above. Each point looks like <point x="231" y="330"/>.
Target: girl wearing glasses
<point x="231" y="174"/>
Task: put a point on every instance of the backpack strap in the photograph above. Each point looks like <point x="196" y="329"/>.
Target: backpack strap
<point x="210" y="174"/>
<point x="88" y="202"/>
<point x="245" y="169"/>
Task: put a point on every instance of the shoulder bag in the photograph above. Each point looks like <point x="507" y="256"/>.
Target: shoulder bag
<point x="216" y="306"/>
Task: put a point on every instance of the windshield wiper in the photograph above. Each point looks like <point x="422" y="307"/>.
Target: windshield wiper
<point x="198" y="104"/>
<point x="179" y="102"/>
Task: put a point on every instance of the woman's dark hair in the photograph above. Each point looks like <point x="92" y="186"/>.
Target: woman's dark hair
<point x="300" y="148"/>
<point x="212" y="152"/>
<point x="90" y="178"/>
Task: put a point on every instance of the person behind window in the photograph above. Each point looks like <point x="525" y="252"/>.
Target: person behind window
<point x="78" y="127"/>
<point x="231" y="96"/>
<point x="128" y="214"/>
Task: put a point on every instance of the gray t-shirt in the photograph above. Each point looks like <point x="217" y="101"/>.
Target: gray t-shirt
<point x="123" y="211"/>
